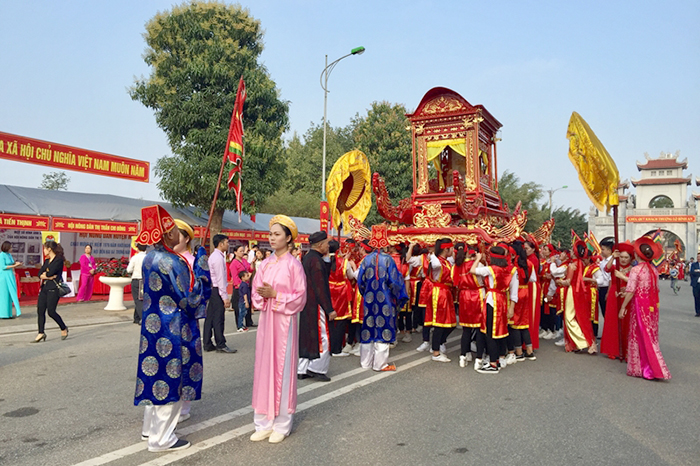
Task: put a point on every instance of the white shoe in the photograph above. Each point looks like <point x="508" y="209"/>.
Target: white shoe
<point x="559" y="333"/>
<point x="543" y="332"/>
<point x="510" y="359"/>
<point x="441" y="358"/>
<point x="340" y="355"/>
<point x="260" y="435"/>
<point x="502" y="363"/>
<point x="469" y="357"/>
<point x="548" y="335"/>
<point x="355" y="350"/>
<point x="347" y="348"/>
<point x="560" y="342"/>
<point x="407" y="338"/>
<point x="425" y="346"/>
<point x="443" y="349"/>
<point x="462" y="361"/>
<point x="392" y="345"/>
<point x="183" y="418"/>
<point x="276" y="437"/>
<point x="478" y="363"/>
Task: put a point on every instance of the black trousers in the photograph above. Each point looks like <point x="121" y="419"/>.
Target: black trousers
<point x="404" y="321"/>
<point x="48" y="300"/>
<point x="485" y="342"/>
<point x="696" y="297"/>
<point x="354" y="332"/>
<point x="468" y="335"/>
<point x="337" y="330"/>
<point x="602" y="299"/>
<point x="521" y="337"/>
<point x="440" y="335"/>
<point x="138" y="303"/>
<point x="214" y="322"/>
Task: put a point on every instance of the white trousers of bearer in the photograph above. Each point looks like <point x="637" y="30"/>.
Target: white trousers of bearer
<point x="374" y="355"/>
<point x="159" y="424"/>
<point x="282" y="424"/>
<point x="321" y="364"/>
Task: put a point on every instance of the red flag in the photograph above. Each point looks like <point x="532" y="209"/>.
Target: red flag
<point x="234" y="147"/>
<point x="574" y="237"/>
<point x="678" y="245"/>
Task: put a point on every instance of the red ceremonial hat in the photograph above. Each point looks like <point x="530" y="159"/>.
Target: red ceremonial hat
<point x="552" y="249"/>
<point x="657" y="250"/>
<point x="155" y="222"/>
<point x="625" y="247"/>
<point x="585" y="249"/>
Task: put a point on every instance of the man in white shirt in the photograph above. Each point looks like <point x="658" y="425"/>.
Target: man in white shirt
<point x="251" y="253"/>
<point x="135" y="269"/>
<point x="606" y="248"/>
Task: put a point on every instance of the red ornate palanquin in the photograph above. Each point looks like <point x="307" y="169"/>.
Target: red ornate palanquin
<point x="455" y="183"/>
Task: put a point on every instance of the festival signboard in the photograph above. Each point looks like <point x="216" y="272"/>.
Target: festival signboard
<point x="79" y="225"/>
<point x="23" y="222"/>
<point x="660" y="218"/>
<point x="50" y="154"/>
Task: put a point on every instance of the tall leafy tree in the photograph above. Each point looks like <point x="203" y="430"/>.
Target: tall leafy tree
<point x="197" y="53"/>
<point x="512" y="192"/>
<point x="566" y="220"/>
<point x="300" y="192"/>
<point x="383" y="137"/>
<point x="55" y="181"/>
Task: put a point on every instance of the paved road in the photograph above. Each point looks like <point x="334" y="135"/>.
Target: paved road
<point x="70" y="402"/>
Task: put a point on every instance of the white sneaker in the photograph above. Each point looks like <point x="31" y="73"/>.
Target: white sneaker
<point x="340" y="355"/>
<point x="441" y="358"/>
<point x="543" y="332"/>
<point x="487" y="359"/>
<point x="560" y="342"/>
<point x="443" y="349"/>
<point x="425" y="346"/>
<point x="355" y="351"/>
<point x="347" y="348"/>
<point x="462" y="361"/>
<point x="510" y="359"/>
<point x="548" y="335"/>
<point x="392" y="345"/>
<point x="469" y="357"/>
<point x="183" y="417"/>
<point x="502" y="363"/>
<point x="407" y="338"/>
<point x="559" y="333"/>
<point x="477" y="364"/>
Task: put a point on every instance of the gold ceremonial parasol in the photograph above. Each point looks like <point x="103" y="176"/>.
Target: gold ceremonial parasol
<point x="596" y="169"/>
<point x="349" y="188"/>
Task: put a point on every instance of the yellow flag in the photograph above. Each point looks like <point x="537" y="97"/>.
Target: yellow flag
<point x="596" y="169"/>
<point x="349" y="188"/>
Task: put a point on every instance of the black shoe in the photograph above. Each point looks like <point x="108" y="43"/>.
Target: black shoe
<point x="137" y="322"/>
<point x="209" y="349"/>
<point x="179" y="445"/>
<point x="226" y="349"/>
<point x="303" y="376"/>
<point x="319" y="377"/>
<point x="252" y="325"/>
<point x="488" y="369"/>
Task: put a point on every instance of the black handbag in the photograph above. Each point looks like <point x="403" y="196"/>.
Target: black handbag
<point x="62" y="288"/>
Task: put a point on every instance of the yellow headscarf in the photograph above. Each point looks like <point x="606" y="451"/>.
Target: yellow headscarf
<point x="187" y="229"/>
<point x="287" y="222"/>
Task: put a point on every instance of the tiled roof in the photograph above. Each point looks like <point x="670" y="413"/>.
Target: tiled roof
<point x="662" y="163"/>
<point x="653" y="181"/>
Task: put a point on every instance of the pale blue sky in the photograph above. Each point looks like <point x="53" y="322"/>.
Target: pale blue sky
<point x="630" y="68"/>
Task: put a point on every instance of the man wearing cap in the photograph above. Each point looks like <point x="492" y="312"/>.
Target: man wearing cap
<point x="314" y="338"/>
<point x="134" y="269"/>
<point x="170" y="353"/>
<point x="215" y="320"/>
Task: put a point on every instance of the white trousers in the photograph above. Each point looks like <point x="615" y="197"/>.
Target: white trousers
<point x="374" y="355"/>
<point x="185" y="407"/>
<point x="282" y="424"/>
<point x="321" y="364"/>
<point x="159" y="424"/>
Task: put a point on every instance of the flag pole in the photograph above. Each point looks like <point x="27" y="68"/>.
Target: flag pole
<point x="213" y="202"/>
<point x="617" y="286"/>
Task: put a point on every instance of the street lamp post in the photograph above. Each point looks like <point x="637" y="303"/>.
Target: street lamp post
<point x="324" y="84"/>
<point x="552" y="191"/>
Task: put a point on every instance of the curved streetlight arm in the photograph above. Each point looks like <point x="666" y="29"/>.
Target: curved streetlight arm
<point x="328" y="70"/>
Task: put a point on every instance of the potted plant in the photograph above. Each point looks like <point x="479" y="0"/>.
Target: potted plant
<point x="116" y="278"/>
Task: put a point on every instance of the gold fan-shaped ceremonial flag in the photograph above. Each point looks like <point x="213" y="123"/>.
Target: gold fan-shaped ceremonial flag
<point x="349" y="188"/>
<point x="596" y="169"/>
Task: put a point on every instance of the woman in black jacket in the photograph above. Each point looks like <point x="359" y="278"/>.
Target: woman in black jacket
<point x="50" y="273"/>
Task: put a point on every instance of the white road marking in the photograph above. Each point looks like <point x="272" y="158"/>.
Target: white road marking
<point x="248" y="428"/>
<point x="141" y="446"/>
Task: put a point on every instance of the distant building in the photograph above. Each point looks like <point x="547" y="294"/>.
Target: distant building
<point x="661" y="201"/>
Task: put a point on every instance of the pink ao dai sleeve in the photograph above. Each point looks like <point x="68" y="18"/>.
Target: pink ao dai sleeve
<point x="287" y="278"/>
